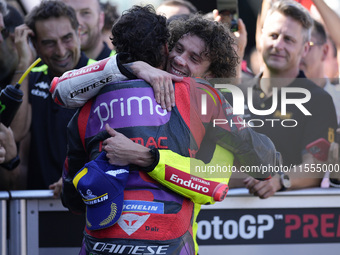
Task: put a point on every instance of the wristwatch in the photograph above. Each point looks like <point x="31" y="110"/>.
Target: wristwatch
<point x="285" y="181"/>
<point x="13" y="163"/>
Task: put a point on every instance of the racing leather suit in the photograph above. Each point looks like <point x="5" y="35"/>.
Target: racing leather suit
<point x="150" y="207"/>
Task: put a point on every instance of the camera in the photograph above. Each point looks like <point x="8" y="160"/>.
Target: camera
<point x="228" y="10"/>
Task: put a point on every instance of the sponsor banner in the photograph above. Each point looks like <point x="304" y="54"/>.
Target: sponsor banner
<point x="268" y="226"/>
<point x="131" y="107"/>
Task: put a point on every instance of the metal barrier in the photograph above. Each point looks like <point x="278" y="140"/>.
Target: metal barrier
<point x="296" y="222"/>
<point x="4" y="196"/>
<point x="292" y="222"/>
<point x="40" y="225"/>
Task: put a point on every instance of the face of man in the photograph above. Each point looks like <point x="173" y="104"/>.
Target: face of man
<point x="282" y="43"/>
<point x="91" y="21"/>
<point x="312" y="64"/>
<point x="58" y="44"/>
<point x="188" y="58"/>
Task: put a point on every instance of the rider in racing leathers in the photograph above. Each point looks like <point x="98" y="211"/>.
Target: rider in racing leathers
<point x="179" y="131"/>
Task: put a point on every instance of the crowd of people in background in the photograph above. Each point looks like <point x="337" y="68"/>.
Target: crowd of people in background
<point x="297" y="51"/>
<point x="296" y="47"/>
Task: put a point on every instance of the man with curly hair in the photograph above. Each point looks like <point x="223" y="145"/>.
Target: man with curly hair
<point x="150" y="205"/>
<point x="201" y="48"/>
<point x="198" y="48"/>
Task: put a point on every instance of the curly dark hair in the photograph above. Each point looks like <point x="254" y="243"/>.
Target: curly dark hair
<point x="142" y="33"/>
<point x="220" y="43"/>
<point x="48" y="9"/>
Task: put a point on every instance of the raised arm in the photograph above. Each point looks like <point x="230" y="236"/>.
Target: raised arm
<point x="74" y="88"/>
<point x="331" y="20"/>
<point x="260" y="20"/>
<point x="241" y="40"/>
<point x="22" y="120"/>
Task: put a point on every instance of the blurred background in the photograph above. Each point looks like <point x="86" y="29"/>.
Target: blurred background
<point x="248" y="10"/>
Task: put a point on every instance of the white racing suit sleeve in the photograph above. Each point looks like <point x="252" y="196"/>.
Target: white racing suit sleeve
<point x="74" y="88"/>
